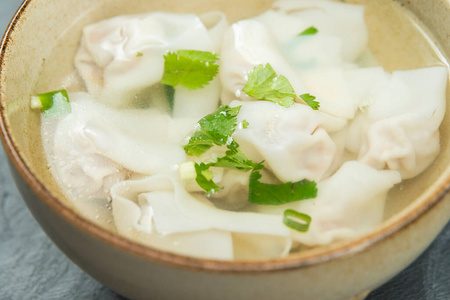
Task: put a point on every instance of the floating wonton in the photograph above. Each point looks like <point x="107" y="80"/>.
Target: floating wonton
<point x="399" y="128"/>
<point x="293" y="142"/>
<point x="313" y="64"/>
<point x="115" y="54"/>
<point x="133" y="219"/>
<point x="246" y="44"/>
<point x="349" y="204"/>
<point x="95" y="145"/>
<point x="159" y="205"/>
<point x="332" y="19"/>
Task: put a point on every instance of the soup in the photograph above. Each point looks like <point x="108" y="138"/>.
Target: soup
<point x="284" y="172"/>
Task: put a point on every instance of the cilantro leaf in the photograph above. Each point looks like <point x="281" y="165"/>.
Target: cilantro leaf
<point x="277" y="194"/>
<point x="189" y="68"/>
<point x="204" y="179"/>
<point x="198" y="144"/>
<point x="263" y="83"/>
<point x="235" y="159"/>
<point x="310" y="100"/>
<point x="309" y="31"/>
<point x="214" y="129"/>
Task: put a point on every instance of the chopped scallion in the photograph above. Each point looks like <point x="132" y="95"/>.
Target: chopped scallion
<point x="301" y="225"/>
<point x="52" y="104"/>
<point x="187" y="170"/>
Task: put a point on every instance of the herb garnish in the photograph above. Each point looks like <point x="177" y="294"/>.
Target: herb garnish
<point x="277" y="194"/>
<point x="52" y="104"/>
<point x="235" y="159"/>
<point x="263" y="83"/>
<point x="288" y="220"/>
<point x="310" y="100"/>
<point x="214" y="129"/>
<point x="204" y="178"/>
<point x="309" y="31"/>
<point x="191" y="69"/>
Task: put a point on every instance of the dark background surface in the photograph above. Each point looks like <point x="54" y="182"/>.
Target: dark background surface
<point x="31" y="267"/>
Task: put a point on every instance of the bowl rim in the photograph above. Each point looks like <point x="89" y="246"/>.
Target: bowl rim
<point x="386" y="230"/>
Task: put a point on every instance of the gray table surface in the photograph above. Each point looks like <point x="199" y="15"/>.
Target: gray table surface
<point x="31" y="267"/>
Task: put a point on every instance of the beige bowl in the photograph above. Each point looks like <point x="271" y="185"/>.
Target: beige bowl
<point x="35" y="55"/>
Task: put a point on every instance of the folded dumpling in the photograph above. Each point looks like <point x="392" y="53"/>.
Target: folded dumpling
<point x="399" y="127"/>
<point x="133" y="217"/>
<point x="115" y="54"/>
<point x="333" y="19"/>
<point x="159" y="205"/>
<point x="95" y="146"/>
<point x="350" y="203"/>
<point x="246" y="44"/>
<point x="294" y="142"/>
<point x="313" y="64"/>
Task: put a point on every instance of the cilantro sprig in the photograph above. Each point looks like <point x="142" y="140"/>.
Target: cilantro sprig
<point x="191" y="69"/>
<point x="277" y="194"/>
<point x="263" y="83"/>
<point x="214" y="129"/>
<point x="235" y="159"/>
<point x="205" y="177"/>
<point x="310" y="100"/>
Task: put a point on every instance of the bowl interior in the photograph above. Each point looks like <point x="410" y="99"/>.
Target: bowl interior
<point x="43" y="59"/>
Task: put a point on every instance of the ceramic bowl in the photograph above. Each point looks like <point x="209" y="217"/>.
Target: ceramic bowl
<point x="35" y="54"/>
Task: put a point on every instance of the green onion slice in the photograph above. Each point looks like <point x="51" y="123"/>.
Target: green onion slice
<point x="288" y="219"/>
<point x="52" y="104"/>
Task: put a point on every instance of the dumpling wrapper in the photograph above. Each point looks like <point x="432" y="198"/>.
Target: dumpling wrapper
<point x="133" y="219"/>
<point x="294" y="142"/>
<point x="306" y="51"/>
<point x="184" y="212"/>
<point x="333" y="19"/>
<point x="115" y="54"/>
<point x="312" y="64"/>
<point x="349" y="204"/>
<point x="96" y="146"/>
<point x="247" y="44"/>
<point x="399" y="129"/>
<point x="174" y="212"/>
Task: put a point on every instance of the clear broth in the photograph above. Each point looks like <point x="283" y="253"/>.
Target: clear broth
<point x="398" y="40"/>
